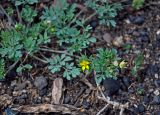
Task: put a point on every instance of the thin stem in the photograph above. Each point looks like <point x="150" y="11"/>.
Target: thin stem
<point x="39" y="59"/>
<point x="89" y="17"/>
<point x="12" y="66"/>
<point x="60" y="52"/>
<point x="76" y="16"/>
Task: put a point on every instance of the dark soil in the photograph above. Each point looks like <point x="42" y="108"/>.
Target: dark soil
<point x="140" y="29"/>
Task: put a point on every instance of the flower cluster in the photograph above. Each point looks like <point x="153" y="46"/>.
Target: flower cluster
<point x="84" y="64"/>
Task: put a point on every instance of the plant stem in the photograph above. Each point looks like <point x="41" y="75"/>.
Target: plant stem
<point x="39" y="59"/>
<point x="57" y="51"/>
<point x="77" y="16"/>
<point x="12" y="66"/>
<point x="90" y="16"/>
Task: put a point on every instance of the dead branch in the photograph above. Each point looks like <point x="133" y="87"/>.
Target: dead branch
<point x="117" y="105"/>
<point x="102" y="109"/>
<point x="113" y="103"/>
<point x="46" y="108"/>
<point x="85" y="81"/>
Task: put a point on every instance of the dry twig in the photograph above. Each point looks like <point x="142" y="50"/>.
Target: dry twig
<point x="102" y="109"/>
<point x="85" y="81"/>
<point x="46" y="108"/>
<point x="109" y="102"/>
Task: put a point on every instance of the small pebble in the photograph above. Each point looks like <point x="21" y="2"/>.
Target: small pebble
<point x="156" y="92"/>
<point x="156" y="76"/>
<point x="156" y="100"/>
<point x="85" y="104"/>
<point x="141" y="108"/>
<point x="43" y="92"/>
<point x="40" y="82"/>
<point x="139" y="20"/>
<point x="146" y="99"/>
<point x="67" y="99"/>
<point x="157" y="83"/>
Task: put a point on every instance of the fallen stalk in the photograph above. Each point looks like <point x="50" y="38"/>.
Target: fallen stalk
<point x="46" y="108"/>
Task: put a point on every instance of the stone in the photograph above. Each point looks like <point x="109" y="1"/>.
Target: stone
<point x="85" y="104"/>
<point x="43" y="92"/>
<point x="157" y="83"/>
<point x="37" y="100"/>
<point x="118" y="41"/>
<point x="40" y="82"/>
<point x="67" y="99"/>
<point x="126" y="81"/>
<point x="94" y="24"/>
<point x="108" y="38"/>
<point x="156" y="100"/>
<point x="21" y="86"/>
<point x="139" y="20"/>
<point x="141" y="108"/>
<point x="111" y="86"/>
<point x="23" y="96"/>
<point x="156" y="92"/>
<point x="146" y="99"/>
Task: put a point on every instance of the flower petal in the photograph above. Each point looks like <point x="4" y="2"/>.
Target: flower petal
<point x="83" y="68"/>
<point x="87" y="67"/>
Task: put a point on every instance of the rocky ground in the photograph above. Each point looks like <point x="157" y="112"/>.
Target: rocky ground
<point x="138" y="28"/>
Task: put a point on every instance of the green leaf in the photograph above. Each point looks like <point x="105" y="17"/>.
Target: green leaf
<point x="75" y="72"/>
<point x="27" y="66"/>
<point x="19" y="69"/>
<point x="139" y="60"/>
<point x="79" y="23"/>
<point x="66" y="75"/>
<point x="31" y="1"/>
<point x="98" y="80"/>
<point x="17" y="3"/>
<point x="92" y="39"/>
<point x="63" y="56"/>
<point x="67" y="59"/>
<point x="28" y="14"/>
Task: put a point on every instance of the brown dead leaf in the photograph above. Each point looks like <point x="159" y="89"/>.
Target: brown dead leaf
<point x="57" y="91"/>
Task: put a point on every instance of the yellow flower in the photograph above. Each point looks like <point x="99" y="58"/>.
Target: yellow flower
<point x="84" y="64"/>
<point x="123" y="64"/>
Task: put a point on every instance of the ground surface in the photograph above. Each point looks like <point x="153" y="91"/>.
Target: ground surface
<point x="140" y="29"/>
